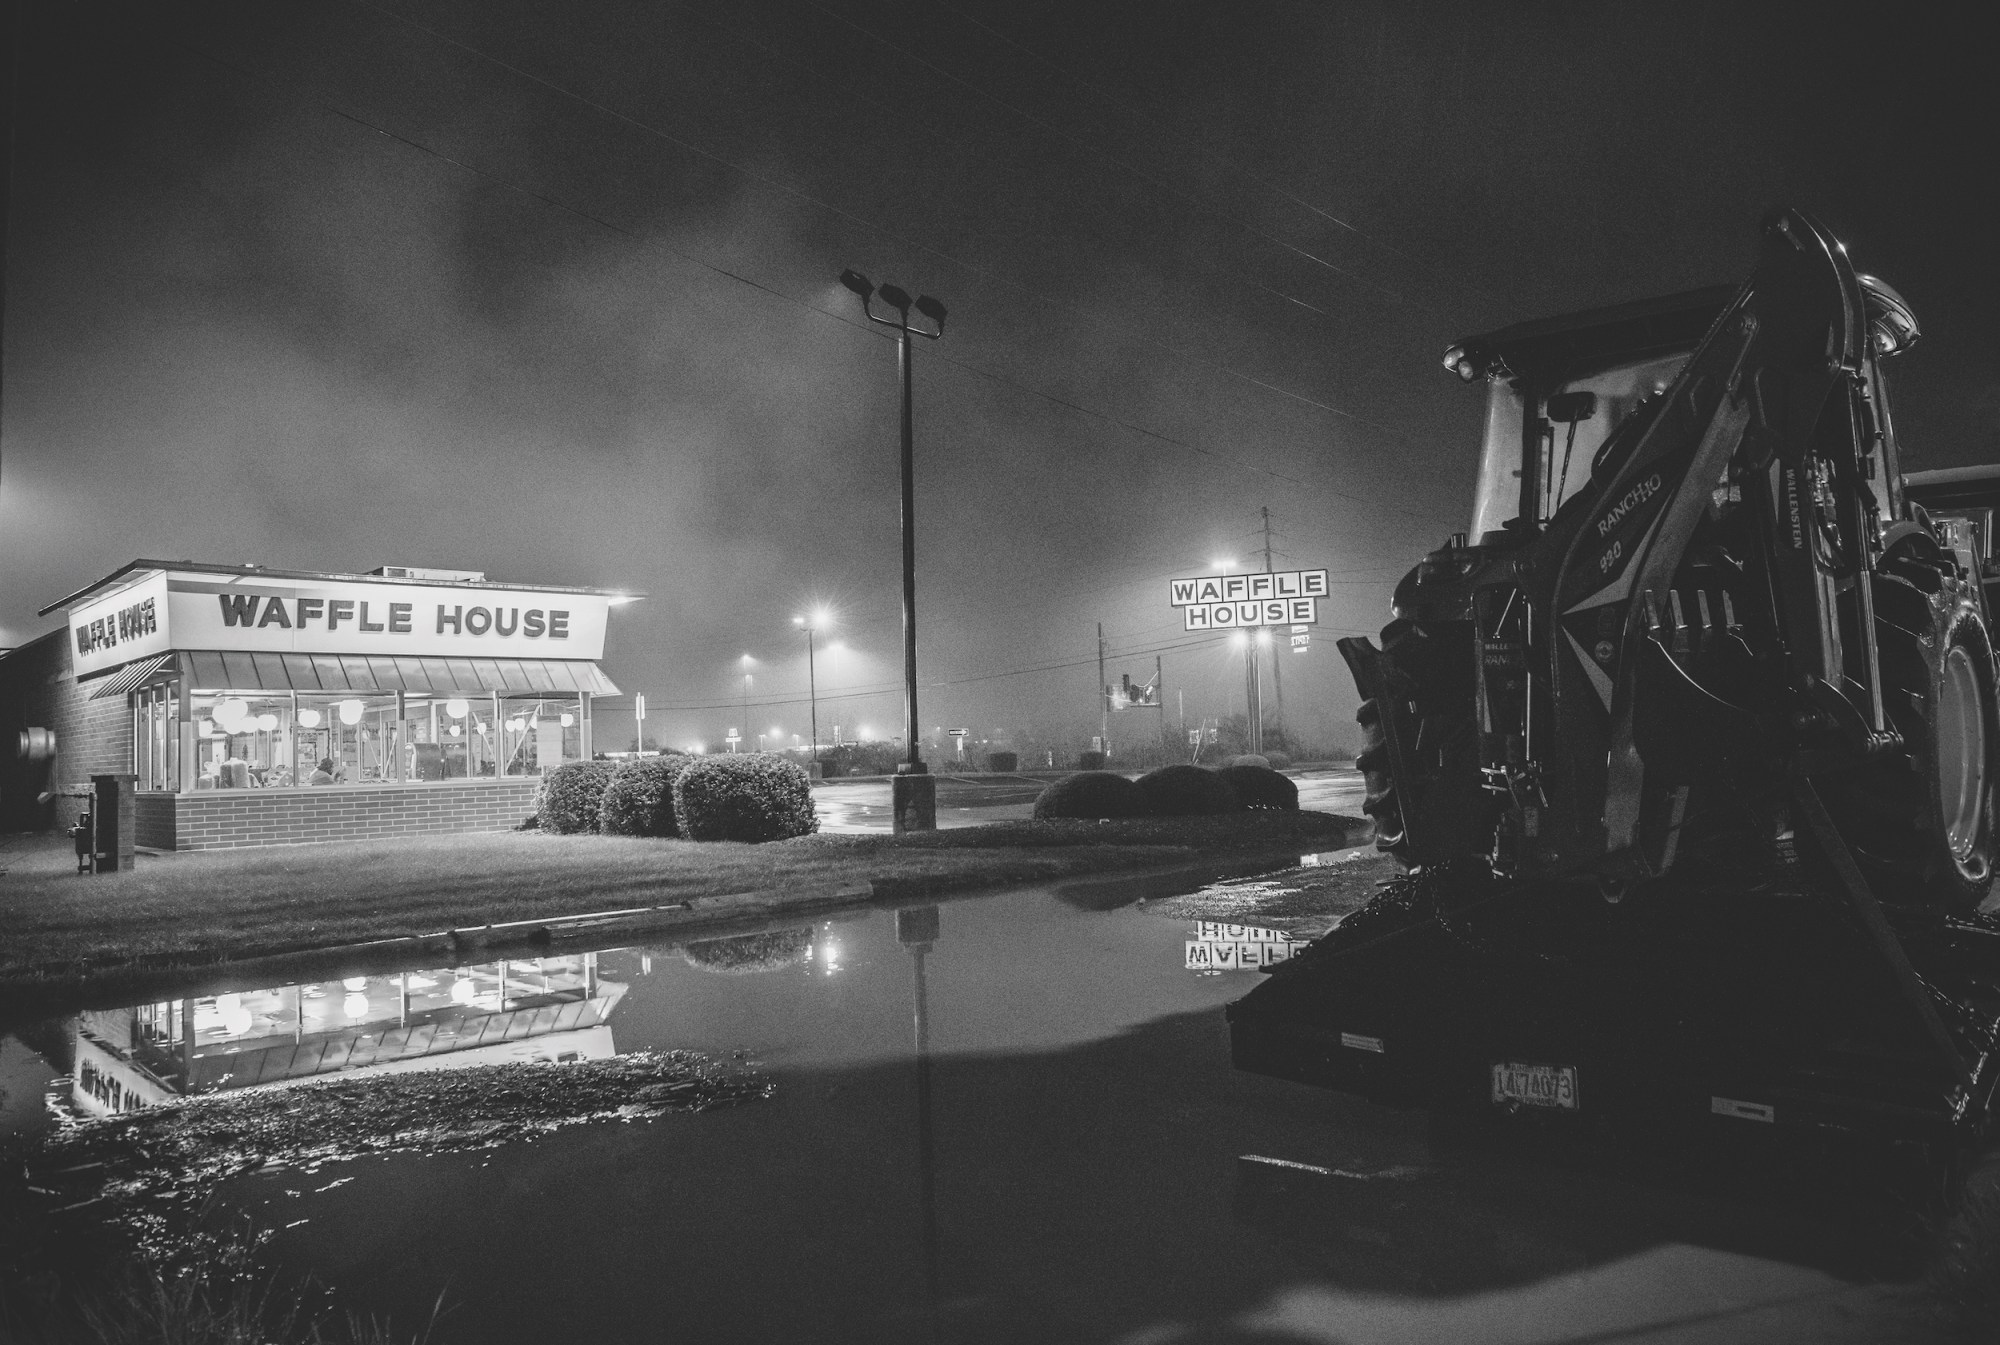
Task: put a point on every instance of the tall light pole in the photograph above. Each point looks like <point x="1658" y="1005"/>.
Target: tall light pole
<point x="913" y="791"/>
<point x="747" y="661"/>
<point x="809" y="625"/>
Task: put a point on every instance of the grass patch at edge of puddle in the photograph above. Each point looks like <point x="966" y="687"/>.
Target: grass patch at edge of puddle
<point x="210" y="906"/>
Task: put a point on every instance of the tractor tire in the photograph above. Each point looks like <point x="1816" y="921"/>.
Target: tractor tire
<point x="1379" y="799"/>
<point x="1929" y="833"/>
<point x="1432" y="668"/>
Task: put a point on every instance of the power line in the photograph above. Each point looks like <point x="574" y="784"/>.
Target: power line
<point x="1134" y="170"/>
<point x="580" y="213"/>
<point x="1225" y="161"/>
<point x="866" y="223"/>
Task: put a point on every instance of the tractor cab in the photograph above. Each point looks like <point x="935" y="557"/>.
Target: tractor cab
<point x="1558" y="390"/>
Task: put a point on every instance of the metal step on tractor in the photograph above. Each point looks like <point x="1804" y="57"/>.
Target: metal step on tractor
<point x="1687" y="747"/>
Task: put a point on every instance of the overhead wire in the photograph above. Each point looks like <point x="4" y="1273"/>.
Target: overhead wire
<point x="1226" y="162"/>
<point x="985" y="272"/>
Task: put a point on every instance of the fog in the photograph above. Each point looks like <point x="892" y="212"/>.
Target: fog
<point x="547" y="292"/>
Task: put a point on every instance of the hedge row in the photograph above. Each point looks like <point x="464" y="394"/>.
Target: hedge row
<point x="1171" y="791"/>
<point x="755" y="797"/>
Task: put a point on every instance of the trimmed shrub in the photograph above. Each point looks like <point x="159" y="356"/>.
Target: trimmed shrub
<point x="1278" y="760"/>
<point x="756" y="797"/>
<point x="572" y="794"/>
<point x="639" y="801"/>
<point x="1090" y="794"/>
<point x="1090" y="761"/>
<point x="747" y="954"/>
<point x="1185" y="791"/>
<point x="1006" y="763"/>
<point x="1262" y="787"/>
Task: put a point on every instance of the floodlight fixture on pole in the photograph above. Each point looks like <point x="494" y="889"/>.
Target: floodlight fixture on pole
<point x="913" y="791"/>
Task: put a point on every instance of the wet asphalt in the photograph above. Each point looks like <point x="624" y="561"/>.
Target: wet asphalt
<point x="1013" y="1118"/>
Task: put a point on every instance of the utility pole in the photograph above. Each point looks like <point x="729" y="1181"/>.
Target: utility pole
<point x="1160" y="696"/>
<point x="1277" y="676"/>
<point x="1103" y="699"/>
<point x="1252" y="697"/>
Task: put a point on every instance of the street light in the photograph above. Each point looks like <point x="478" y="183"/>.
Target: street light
<point x="747" y="661"/>
<point x="913" y="791"/>
<point x="819" y="618"/>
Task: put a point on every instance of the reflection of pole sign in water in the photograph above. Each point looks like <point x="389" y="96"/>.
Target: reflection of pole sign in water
<point x="1220" y="947"/>
<point x="1231" y="601"/>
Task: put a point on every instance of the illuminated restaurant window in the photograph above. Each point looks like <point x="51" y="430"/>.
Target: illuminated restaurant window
<point x="539" y="733"/>
<point x="346" y="738"/>
<point x="243" y="739"/>
<point x="156" y="739"/>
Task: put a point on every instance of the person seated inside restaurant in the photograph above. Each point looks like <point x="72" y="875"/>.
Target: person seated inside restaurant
<point x="324" y="775"/>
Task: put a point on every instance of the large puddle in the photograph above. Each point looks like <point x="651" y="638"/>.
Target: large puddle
<point x="1008" y="1118"/>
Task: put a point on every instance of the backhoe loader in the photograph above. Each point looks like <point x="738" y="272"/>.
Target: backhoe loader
<point x="1686" y="746"/>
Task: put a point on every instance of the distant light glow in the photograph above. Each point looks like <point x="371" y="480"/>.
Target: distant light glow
<point x="1238" y="640"/>
<point x="698" y="749"/>
<point x="863" y="732"/>
<point x="1223" y="564"/>
<point x="1264" y="635"/>
<point x="620" y="599"/>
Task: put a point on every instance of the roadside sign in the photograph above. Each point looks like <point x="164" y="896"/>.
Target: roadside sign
<point x="956" y="733"/>
<point x="1234" y="601"/>
<point x="639" y="705"/>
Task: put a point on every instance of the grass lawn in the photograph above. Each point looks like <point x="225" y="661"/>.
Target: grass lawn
<point x="211" y="906"/>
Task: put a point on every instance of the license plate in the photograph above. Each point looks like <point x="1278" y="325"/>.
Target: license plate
<point x="1535" y="1085"/>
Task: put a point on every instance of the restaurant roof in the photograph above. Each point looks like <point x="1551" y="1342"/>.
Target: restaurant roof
<point x="268" y="572"/>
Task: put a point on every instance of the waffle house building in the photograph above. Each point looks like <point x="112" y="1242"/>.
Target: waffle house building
<point x="255" y="706"/>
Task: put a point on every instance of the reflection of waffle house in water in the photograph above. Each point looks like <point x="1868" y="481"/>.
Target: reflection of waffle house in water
<point x="552" y="1009"/>
<point x="259" y="706"/>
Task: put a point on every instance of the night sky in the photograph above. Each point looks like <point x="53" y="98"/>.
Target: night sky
<point x="547" y="290"/>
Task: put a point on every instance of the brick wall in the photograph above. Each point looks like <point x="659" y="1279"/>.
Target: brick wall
<point x="215" y="820"/>
<point x="157" y="818"/>
<point x="93" y="737"/>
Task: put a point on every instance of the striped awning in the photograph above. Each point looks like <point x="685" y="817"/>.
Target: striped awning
<point x="229" y="670"/>
<point x="131" y="675"/>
